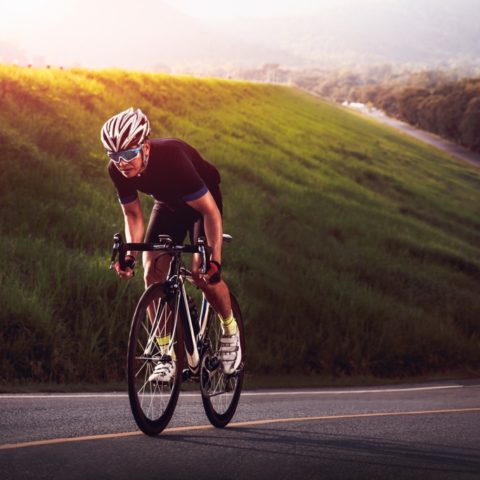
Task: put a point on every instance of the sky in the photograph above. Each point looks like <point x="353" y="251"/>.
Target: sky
<point x="59" y="29"/>
<point x="211" y="9"/>
<point x="13" y="13"/>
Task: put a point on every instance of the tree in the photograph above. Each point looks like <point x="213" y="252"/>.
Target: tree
<point x="430" y="112"/>
<point x="470" y="125"/>
<point x="408" y="103"/>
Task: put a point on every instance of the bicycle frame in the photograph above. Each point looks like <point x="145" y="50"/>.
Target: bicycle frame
<point x="194" y="335"/>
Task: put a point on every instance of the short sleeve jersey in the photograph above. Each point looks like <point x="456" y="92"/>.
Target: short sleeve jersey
<point x="175" y="173"/>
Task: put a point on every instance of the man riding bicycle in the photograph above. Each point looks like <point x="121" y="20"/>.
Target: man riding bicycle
<point x="187" y="198"/>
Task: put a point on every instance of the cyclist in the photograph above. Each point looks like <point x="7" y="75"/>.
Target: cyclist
<point x="187" y="198"/>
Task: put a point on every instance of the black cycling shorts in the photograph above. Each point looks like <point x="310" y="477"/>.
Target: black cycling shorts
<point x="177" y="222"/>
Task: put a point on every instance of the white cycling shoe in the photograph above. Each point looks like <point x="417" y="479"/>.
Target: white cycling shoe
<point x="163" y="372"/>
<point x="230" y="352"/>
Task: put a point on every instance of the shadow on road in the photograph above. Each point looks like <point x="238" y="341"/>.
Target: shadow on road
<point x="303" y="445"/>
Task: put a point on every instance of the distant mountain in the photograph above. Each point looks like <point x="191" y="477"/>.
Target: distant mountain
<point x="150" y="34"/>
<point x="372" y="31"/>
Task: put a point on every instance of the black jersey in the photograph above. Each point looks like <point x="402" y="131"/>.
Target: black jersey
<point x="175" y="173"/>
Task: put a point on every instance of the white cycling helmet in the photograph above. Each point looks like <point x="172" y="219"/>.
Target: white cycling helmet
<point x="124" y="130"/>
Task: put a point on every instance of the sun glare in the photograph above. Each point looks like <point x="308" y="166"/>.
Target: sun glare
<point x="25" y="15"/>
<point x="13" y="14"/>
<point x="211" y="9"/>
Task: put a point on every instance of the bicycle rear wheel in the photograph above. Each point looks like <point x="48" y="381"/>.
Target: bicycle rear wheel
<point x="221" y="392"/>
<point x="155" y="334"/>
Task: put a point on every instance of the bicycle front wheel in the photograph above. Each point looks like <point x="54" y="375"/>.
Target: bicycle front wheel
<point x="221" y="392"/>
<point x="155" y="336"/>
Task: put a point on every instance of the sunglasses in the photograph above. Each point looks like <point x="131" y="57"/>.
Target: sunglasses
<point x="125" y="155"/>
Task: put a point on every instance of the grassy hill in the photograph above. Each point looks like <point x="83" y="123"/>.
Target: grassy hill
<point x="357" y="250"/>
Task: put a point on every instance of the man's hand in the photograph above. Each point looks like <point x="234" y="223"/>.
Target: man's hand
<point x="129" y="266"/>
<point x="213" y="275"/>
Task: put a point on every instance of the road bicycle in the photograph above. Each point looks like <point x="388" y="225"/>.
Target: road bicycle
<point x="166" y="327"/>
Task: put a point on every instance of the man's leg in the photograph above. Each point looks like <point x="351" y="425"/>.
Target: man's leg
<point x="217" y="294"/>
<point x="155" y="267"/>
<point x="163" y="221"/>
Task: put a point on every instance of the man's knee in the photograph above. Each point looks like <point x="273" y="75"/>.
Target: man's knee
<point x="211" y="288"/>
<point x="197" y="278"/>
<point x="155" y="267"/>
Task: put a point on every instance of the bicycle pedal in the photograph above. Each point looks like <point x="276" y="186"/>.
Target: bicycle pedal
<point x="189" y="376"/>
<point x="213" y="364"/>
<point x="186" y="375"/>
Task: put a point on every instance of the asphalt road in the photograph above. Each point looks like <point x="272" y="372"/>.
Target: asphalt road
<point x="430" y="138"/>
<point x="405" y="432"/>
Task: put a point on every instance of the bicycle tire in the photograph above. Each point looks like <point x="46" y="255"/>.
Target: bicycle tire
<point x="153" y="402"/>
<point x="220" y="399"/>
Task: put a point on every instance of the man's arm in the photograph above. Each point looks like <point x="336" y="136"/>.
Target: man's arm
<point x="212" y="221"/>
<point x="134" y="226"/>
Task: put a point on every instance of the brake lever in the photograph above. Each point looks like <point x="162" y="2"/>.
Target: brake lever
<point x="117" y="248"/>
<point x="203" y="253"/>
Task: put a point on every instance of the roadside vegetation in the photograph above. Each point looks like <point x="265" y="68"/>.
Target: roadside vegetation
<point x="356" y="250"/>
<point x="442" y="102"/>
<point x="450" y="109"/>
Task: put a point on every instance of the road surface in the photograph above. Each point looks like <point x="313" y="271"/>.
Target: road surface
<point x="427" y="137"/>
<point x="405" y="432"/>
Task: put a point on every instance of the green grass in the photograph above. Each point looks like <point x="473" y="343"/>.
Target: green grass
<point x="356" y="252"/>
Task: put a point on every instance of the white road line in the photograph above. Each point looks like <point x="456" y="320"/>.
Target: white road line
<point x="27" y="396"/>
<point x="343" y="392"/>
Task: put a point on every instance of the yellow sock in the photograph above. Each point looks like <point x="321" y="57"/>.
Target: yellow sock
<point x="229" y="324"/>
<point x="163" y="343"/>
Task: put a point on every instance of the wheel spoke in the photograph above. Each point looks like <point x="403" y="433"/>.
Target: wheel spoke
<point x="152" y="401"/>
<point x="220" y="392"/>
<point x="142" y="366"/>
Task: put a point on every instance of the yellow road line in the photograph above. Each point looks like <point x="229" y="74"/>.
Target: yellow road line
<point x="251" y="423"/>
<point x="354" y="415"/>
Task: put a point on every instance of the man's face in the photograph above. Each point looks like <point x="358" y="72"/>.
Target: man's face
<point x="133" y="167"/>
